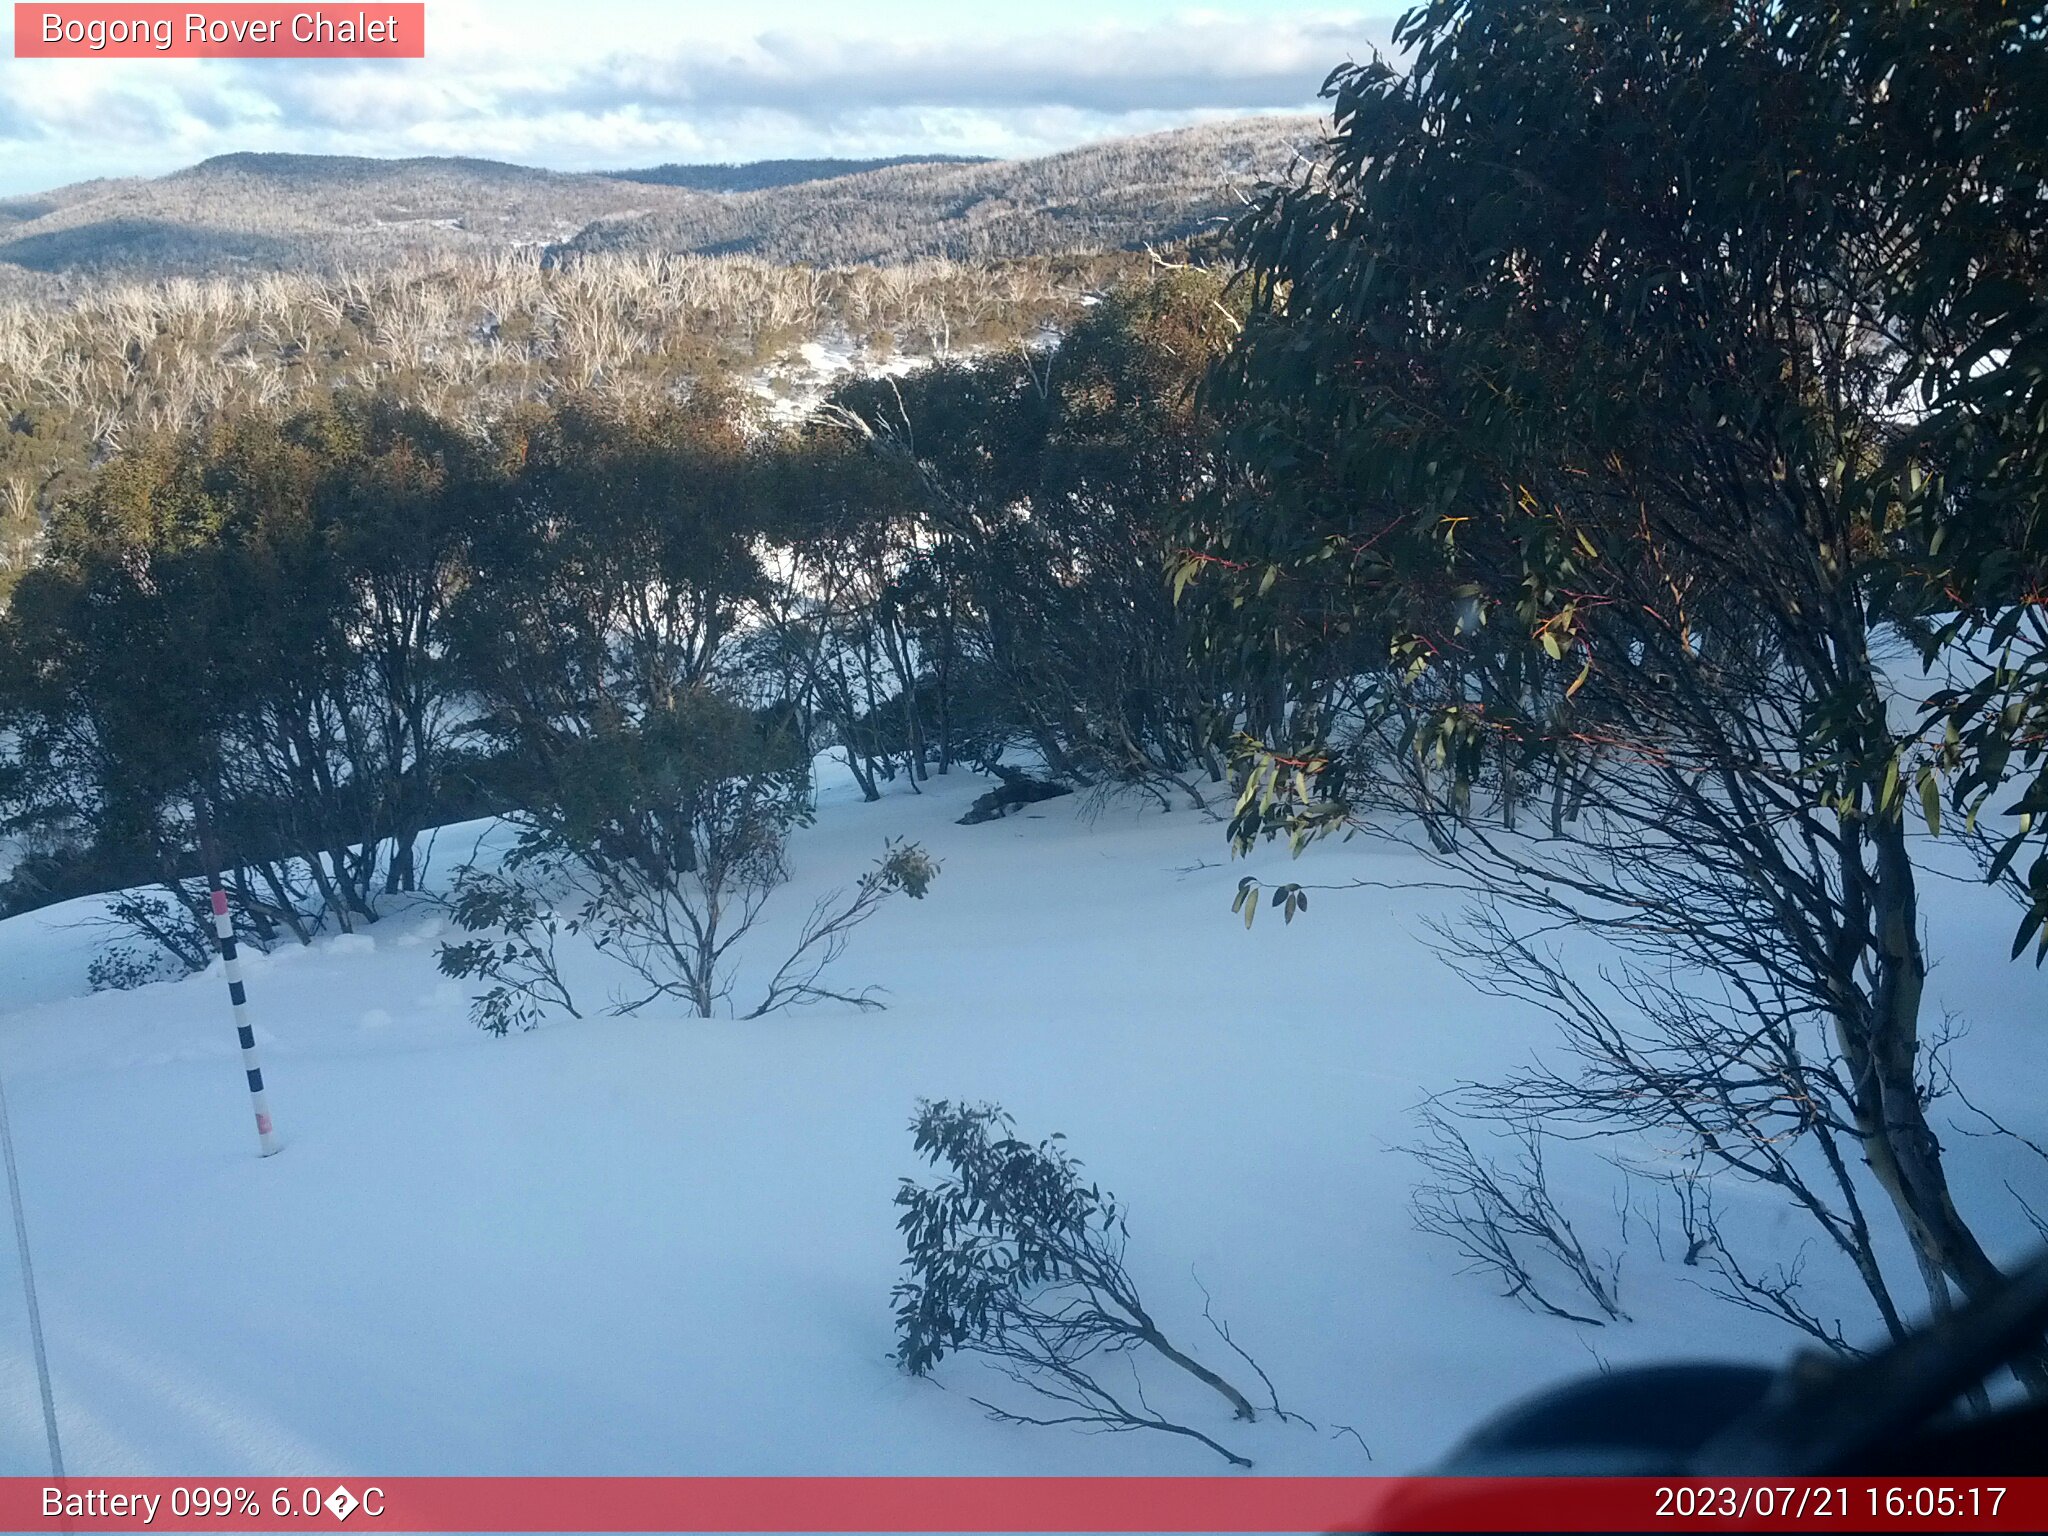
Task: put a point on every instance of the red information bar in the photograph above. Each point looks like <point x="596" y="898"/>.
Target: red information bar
<point x="376" y="30"/>
<point x="1003" y="1504"/>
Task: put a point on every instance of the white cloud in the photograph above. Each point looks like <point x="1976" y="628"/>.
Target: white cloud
<point x="708" y="91"/>
<point x="1186" y="65"/>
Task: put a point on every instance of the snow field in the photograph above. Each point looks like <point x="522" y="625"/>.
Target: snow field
<point x="664" y="1245"/>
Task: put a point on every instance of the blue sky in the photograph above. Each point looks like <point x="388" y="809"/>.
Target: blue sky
<point x="589" y="84"/>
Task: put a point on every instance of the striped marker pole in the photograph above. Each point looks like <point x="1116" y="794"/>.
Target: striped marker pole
<point x="224" y="930"/>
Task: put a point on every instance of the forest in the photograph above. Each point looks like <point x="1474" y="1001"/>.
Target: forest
<point x="1613" y="465"/>
<point x="465" y="338"/>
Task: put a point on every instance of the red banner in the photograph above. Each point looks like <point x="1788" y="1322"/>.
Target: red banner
<point x="373" y="31"/>
<point x="994" y="1504"/>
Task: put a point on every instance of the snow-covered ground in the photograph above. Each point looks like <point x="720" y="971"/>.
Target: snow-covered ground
<point x="797" y="383"/>
<point x="661" y="1245"/>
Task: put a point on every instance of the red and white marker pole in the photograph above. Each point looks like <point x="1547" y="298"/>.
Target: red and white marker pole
<point x="224" y="930"/>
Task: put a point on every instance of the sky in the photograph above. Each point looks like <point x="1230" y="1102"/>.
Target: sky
<point x="596" y="84"/>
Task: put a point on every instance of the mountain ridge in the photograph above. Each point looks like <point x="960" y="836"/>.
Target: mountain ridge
<point x="258" y="211"/>
<point x="760" y="175"/>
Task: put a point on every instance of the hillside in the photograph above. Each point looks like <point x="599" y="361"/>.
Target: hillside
<point x="1119" y="194"/>
<point x="275" y="212"/>
<point x="280" y="211"/>
<point x="754" y="175"/>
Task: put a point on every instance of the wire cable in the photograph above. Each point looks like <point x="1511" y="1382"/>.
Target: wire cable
<point x="28" y="1287"/>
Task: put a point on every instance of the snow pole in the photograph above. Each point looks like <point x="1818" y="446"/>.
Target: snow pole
<point x="238" y="996"/>
<point x="238" y="999"/>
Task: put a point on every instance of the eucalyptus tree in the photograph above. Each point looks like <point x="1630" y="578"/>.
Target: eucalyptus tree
<point x="1569" y="406"/>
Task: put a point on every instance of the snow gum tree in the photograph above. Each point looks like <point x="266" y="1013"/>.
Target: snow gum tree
<point x="249" y="616"/>
<point x="1014" y="1256"/>
<point x="598" y="638"/>
<point x="1570" y="416"/>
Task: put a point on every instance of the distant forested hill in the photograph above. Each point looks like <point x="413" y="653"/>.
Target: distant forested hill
<point x="256" y="212"/>
<point x="757" y="175"/>
<point x="1118" y="194"/>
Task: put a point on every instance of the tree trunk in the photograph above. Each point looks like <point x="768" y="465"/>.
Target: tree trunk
<point x="1882" y="1051"/>
<point x="1202" y="1373"/>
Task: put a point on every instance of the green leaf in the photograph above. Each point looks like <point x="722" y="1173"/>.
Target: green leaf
<point x="2028" y="928"/>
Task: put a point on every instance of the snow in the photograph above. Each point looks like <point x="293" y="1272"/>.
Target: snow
<point x="797" y="383"/>
<point x="663" y="1245"/>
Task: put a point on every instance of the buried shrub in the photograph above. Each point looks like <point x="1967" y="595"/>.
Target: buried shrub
<point x="675" y="937"/>
<point x="1014" y="1257"/>
<point x="516" y="955"/>
<point x="904" y="869"/>
<point x="660" y="836"/>
<point x="1504" y="1220"/>
<point x="167" y="932"/>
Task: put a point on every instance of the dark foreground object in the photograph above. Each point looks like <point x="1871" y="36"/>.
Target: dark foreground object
<point x="1893" y="1413"/>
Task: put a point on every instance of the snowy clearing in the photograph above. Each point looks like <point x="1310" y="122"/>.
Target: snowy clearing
<point x="659" y="1245"/>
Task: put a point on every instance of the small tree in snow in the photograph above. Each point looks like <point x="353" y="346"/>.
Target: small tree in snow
<point x="660" y="842"/>
<point x="517" y="956"/>
<point x="906" y="869"/>
<point x="1012" y="1256"/>
<point x="1504" y="1220"/>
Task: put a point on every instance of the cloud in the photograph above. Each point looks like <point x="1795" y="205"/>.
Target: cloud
<point x="1186" y="65"/>
<point x="775" y="92"/>
<point x="341" y="97"/>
